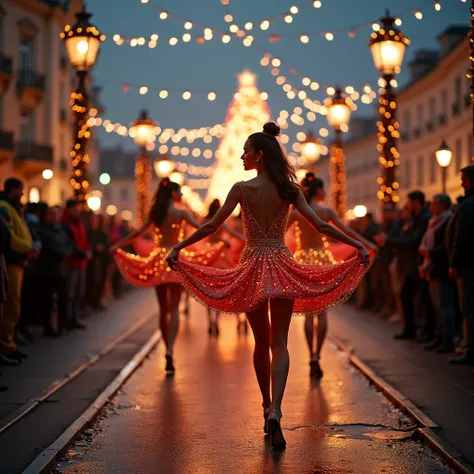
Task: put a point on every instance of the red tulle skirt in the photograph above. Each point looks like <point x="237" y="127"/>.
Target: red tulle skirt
<point x="152" y="269"/>
<point x="270" y="272"/>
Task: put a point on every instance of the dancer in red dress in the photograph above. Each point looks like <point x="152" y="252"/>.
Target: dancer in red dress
<point x="267" y="274"/>
<point x="314" y="249"/>
<point x="226" y="261"/>
<point x="167" y="221"/>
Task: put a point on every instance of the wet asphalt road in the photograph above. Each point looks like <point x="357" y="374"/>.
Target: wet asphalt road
<point x="207" y="417"/>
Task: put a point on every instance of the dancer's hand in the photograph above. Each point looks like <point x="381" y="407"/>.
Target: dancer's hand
<point x="172" y="258"/>
<point x="363" y="254"/>
<point x="113" y="249"/>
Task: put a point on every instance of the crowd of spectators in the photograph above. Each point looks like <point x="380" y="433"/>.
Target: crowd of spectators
<point x="54" y="268"/>
<point x="423" y="276"/>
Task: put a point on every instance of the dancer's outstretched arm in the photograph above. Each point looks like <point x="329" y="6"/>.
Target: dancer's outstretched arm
<point x="210" y="227"/>
<point x="333" y="217"/>
<point x="131" y="237"/>
<point x="328" y="229"/>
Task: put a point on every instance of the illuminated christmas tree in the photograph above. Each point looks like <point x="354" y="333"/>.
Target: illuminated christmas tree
<point x="247" y="113"/>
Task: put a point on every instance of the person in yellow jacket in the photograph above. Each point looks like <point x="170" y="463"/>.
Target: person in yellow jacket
<point x="15" y="258"/>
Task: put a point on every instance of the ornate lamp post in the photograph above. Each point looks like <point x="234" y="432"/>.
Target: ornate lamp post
<point x="82" y="43"/>
<point x="388" y="47"/>
<point x="444" y="155"/>
<point x="339" y="112"/>
<point x="311" y="148"/>
<point x="142" y="132"/>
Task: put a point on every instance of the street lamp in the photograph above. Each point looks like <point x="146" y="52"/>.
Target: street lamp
<point x="82" y="43"/>
<point x="142" y="132"/>
<point x="388" y="46"/>
<point x="163" y="167"/>
<point x="339" y="110"/>
<point x="311" y="148"/>
<point x="444" y="155"/>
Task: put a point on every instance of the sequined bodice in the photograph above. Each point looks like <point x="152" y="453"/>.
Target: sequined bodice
<point x="254" y="235"/>
<point x="172" y="234"/>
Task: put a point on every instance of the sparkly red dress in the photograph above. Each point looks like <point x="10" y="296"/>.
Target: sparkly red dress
<point x="268" y="270"/>
<point x="152" y="269"/>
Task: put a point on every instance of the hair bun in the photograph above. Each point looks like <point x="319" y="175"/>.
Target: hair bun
<point x="271" y="128"/>
<point x="310" y="176"/>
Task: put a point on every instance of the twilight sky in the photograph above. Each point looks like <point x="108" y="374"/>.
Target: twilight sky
<point x="214" y="65"/>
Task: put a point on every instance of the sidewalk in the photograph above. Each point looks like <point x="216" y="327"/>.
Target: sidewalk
<point x="52" y="359"/>
<point x="443" y="392"/>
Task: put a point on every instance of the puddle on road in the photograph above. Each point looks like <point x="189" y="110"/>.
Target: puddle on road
<point x="368" y="432"/>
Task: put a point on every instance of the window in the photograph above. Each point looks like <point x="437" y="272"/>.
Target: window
<point x="406" y="123"/>
<point x="407" y="173"/>
<point x="432" y="111"/>
<point x="458" y="155"/>
<point x="419" y="172"/>
<point x="433" y="167"/>
<point x="124" y="193"/>
<point x="27" y="127"/>
<point x="27" y="53"/>
<point x="419" y="120"/>
<point x="457" y="94"/>
<point x="444" y="108"/>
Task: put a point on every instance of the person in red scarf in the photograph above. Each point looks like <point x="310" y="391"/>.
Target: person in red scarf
<point x="76" y="264"/>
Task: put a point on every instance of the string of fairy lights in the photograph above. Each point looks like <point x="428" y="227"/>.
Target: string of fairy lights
<point x="247" y="33"/>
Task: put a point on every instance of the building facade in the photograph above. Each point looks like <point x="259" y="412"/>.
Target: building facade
<point x="434" y="106"/>
<point x="36" y="81"/>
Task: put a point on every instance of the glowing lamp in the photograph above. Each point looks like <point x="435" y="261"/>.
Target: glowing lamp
<point x="47" y="174"/>
<point x="444" y="155"/>
<point x="111" y="210"/>
<point x="163" y="167"/>
<point x="339" y="110"/>
<point x="177" y="177"/>
<point x="388" y="47"/>
<point x="82" y="42"/>
<point x="311" y="148"/>
<point x="142" y="130"/>
<point x="104" y="179"/>
<point x="246" y="79"/>
<point x="94" y="203"/>
<point x="360" y="210"/>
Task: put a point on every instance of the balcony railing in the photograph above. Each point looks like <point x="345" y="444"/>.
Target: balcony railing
<point x="28" y="151"/>
<point x="456" y="109"/>
<point x="443" y="119"/>
<point x="28" y="78"/>
<point x="6" y="65"/>
<point x="6" y="140"/>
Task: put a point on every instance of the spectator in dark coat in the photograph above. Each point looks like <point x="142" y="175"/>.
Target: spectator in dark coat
<point x="52" y="261"/>
<point x="459" y="242"/>
<point x="76" y="264"/>
<point x="409" y="259"/>
<point x="5" y="243"/>
<point x="30" y="290"/>
<point x="97" y="267"/>
<point x="435" y="269"/>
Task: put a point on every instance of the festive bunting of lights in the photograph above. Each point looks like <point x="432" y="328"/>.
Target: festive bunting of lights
<point x="242" y="33"/>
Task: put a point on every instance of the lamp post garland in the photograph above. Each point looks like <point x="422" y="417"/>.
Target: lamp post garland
<point x="339" y="112"/>
<point x="388" y="46"/>
<point x="82" y="43"/>
<point x="311" y="149"/>
<point x="142" y="133"/>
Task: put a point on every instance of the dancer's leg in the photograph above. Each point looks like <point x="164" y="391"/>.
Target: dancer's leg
<point x="281" y="312"/>
<point x="175" y="296"/>
<point x="309" y="333"/>
<point x="258" y="320"/>
<point x="162" y="295"/>
<point x="322" y="331"/>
